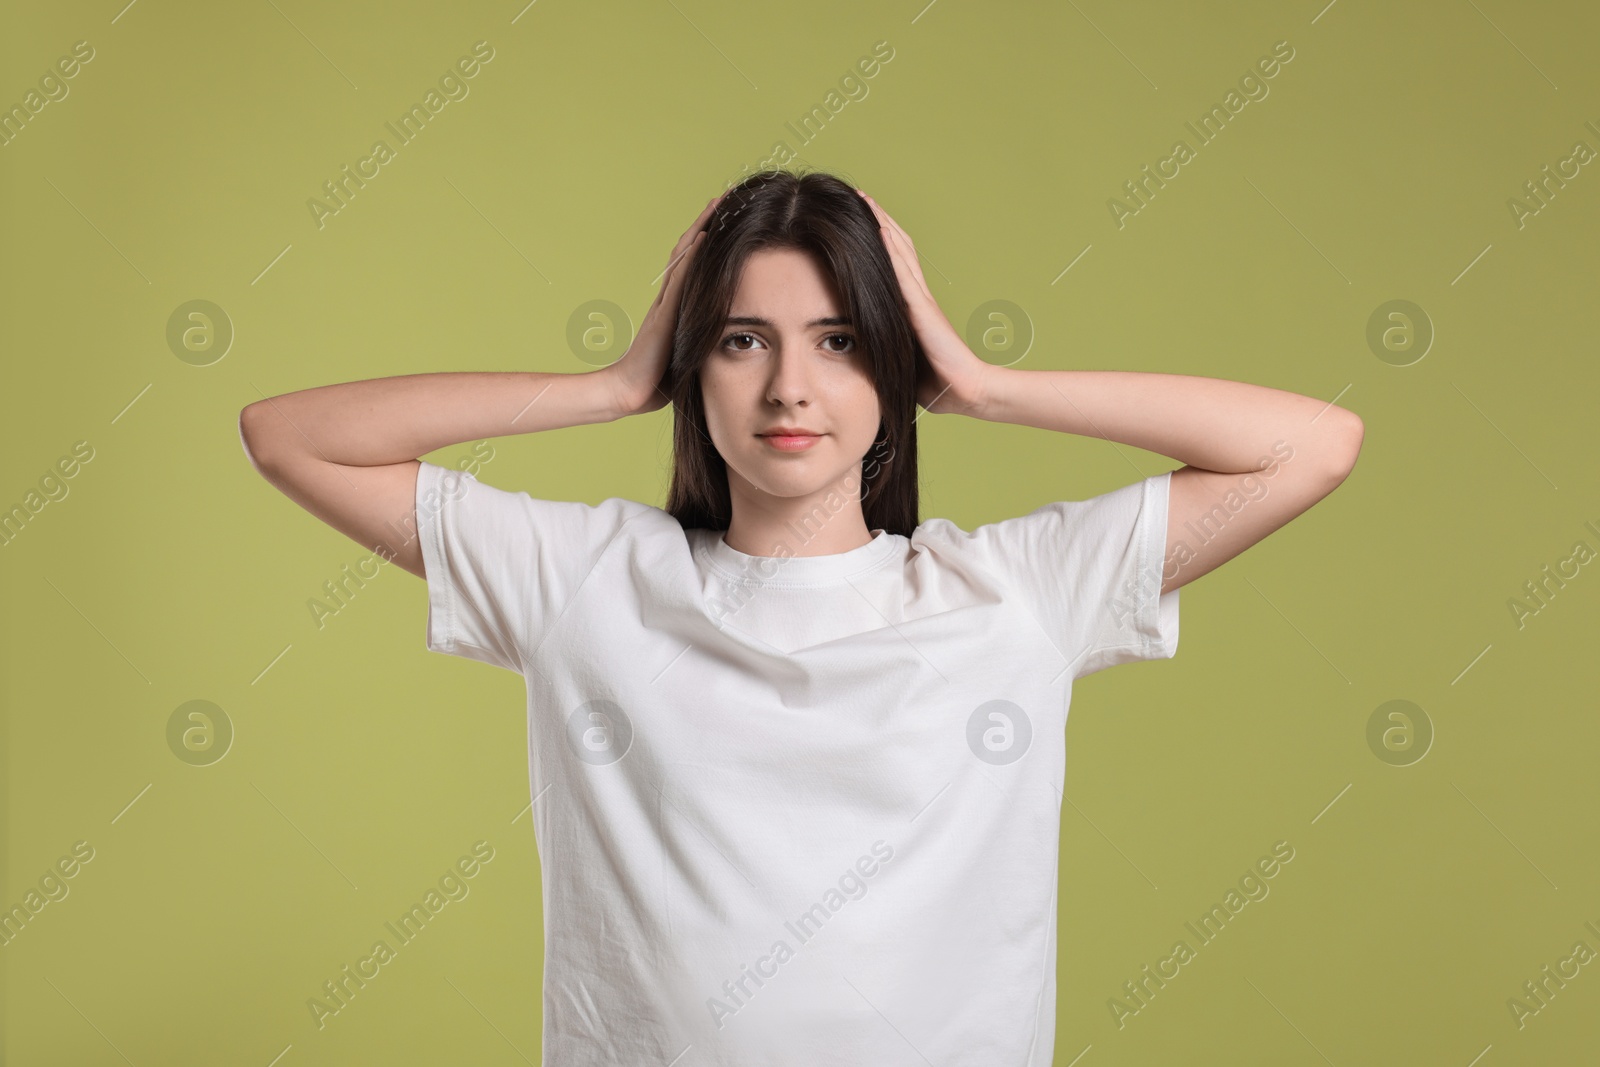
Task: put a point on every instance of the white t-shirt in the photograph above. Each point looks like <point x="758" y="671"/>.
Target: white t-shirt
<point x="795" y="811"/>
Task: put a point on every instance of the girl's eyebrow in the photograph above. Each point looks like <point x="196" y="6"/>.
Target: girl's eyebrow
<point x="753" y="320"/>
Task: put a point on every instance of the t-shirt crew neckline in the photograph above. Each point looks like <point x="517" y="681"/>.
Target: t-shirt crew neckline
<point x="795" y="570"/>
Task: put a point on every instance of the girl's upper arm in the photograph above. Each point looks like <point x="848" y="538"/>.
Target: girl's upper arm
<point x="374" y="506"/>
<point x="1213" y="516"/>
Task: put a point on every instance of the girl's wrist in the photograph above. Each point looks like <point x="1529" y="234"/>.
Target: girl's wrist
<point x="612" y="396"/>
<point x="989" y="391"/>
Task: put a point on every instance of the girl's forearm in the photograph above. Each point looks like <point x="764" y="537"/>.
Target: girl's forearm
<point x="1212" y="423"/>
<point x="389" y="420"/>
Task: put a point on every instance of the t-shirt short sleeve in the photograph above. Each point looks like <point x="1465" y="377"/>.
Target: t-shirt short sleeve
<point x="1091" y="571"/>
<point x="501" y="566"/>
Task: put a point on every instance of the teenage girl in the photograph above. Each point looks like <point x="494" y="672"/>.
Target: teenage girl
<point x="795" y="753"/>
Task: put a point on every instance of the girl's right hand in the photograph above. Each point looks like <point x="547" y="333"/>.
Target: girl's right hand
<point x="635" y="379"/>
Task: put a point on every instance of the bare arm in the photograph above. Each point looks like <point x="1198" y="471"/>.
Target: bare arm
<point x="347" y="452"/>
<point x="384" y="421"/>
<point x="1213" y="424"/>
<point x="1256" y="456"/>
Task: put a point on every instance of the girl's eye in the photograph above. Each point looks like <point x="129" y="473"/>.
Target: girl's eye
<point x="731" y="344"/>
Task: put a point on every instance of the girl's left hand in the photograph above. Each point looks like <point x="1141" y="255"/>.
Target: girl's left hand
<point x="953" y="378"/>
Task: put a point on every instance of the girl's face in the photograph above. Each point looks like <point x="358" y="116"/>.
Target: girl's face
<point x="787" y="359"/>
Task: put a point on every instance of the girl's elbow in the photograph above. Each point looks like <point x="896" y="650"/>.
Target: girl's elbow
<point x="1344" y="460"/>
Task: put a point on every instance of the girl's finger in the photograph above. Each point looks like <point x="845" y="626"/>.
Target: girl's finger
<point x="905" y="270"/>
<point x="887" y="218"/>
<point x="695" y="227"/>
<point x="899" y="230"/>
<point x="897" y="256"/>
<point x="906" y="258"/>
<point x="910" y="253"/>
<point x="901" y="250"/>
<point x="886" y="229"/>
<point x="674" y="280"/>
<point x="891" y="227"/>
<point x="706" y="211"/>
<point x="681" y="253"/>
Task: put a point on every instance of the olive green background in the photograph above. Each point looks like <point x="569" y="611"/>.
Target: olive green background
<point x="1423" y="892"/>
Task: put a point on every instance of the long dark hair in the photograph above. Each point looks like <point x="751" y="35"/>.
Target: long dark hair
<point x="822" y="215"/>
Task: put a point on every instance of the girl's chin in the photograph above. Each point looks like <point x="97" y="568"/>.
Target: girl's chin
<point x="842" y="486"/>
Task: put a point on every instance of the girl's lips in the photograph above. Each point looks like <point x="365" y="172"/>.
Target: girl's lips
<point x="791" y="443"/>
